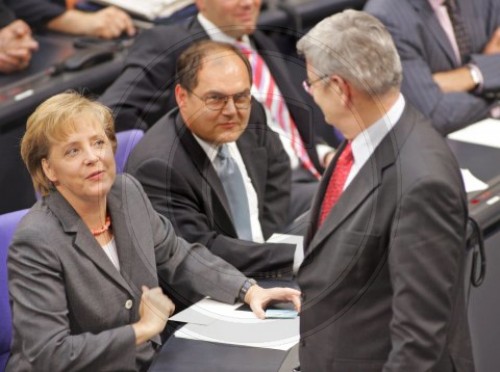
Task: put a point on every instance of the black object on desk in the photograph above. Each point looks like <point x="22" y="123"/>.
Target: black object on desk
<point x="180" y="355"/>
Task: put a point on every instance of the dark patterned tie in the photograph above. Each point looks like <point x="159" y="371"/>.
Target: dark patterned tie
<point x="337" y="182"/>
<point x="232" y="181"/>
<point x="461" y="35"/>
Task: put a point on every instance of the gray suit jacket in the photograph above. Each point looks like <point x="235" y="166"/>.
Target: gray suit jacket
<point x="182" y="184"/>
<point x="72" y="309"/>
<point x="382" y="280"/>
<point x="424" y="49"/>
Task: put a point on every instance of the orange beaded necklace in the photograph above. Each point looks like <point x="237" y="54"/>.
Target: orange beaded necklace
<point x="103" y="229"/>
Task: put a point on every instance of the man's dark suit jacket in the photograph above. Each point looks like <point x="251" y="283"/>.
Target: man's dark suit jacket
<point x="6" y="15"/>
<point x="425" y="49"/>
<point x="182" y="185"/>
<point x="36" y="13"/>
<point x="382" y="279"/>
<point x="144" y="91"/>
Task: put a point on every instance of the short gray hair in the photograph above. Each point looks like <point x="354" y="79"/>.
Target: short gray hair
<point x="355" y="46"/>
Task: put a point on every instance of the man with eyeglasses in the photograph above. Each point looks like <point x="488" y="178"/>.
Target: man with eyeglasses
<point x="221" y="180"/>
<point x="145" y="90"/>
<point x="382" y="279"/>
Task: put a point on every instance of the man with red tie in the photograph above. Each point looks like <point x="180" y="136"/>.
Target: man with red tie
<point x="382" y="276"/>
<point x="144" y="92"/>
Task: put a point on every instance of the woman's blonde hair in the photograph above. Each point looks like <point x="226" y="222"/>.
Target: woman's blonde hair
<point x="53" y="121"/>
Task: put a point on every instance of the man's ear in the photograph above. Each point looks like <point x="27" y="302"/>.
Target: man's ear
<point x="180" y="96"/>
<point x="343" y="89"/>
<point x="48" y="171"/>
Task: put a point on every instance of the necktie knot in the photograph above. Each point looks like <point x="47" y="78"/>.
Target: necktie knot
<point x="223" y="152"/>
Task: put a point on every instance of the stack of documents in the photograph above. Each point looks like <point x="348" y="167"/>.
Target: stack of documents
<point x="209" y="320"/>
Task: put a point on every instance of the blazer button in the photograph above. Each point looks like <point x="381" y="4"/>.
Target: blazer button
<point x="128" y="304"/>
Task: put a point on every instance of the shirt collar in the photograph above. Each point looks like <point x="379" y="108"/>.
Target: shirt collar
<point x="435" y="4"/>
<point x="209" y="148"/>
<point x="216" y="34"/>
<point x="367" y="141"/>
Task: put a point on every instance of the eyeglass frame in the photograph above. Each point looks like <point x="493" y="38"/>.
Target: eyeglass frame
<point x="225" y="100"/>
<point x="306" y="84"/>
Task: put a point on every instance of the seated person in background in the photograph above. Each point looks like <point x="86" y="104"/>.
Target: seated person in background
<point x="16" y="42"/>
<point x="178" y="163"/>
<point x="144" y="92"/>
<point x="86" y="261"/>
<point x="107" y="23"/>
<point x="450" y="52"/>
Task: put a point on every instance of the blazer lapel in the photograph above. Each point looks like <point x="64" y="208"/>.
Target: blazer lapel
<point x="132" y="265"/>
<point x="362" y="186"/>
<point x="83" y="240"/>
<point x="255" y="160"/>
<point x="318" y="197"/>
<point x="358" y="190"/>
<point x="204" y="167"/>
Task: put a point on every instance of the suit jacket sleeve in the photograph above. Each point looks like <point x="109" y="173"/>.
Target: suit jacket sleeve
<point x="143" y="92"/>
<point x="276" y="195"/>
<point x="35" y="12"/>
<point x="191" y="266"/>
<point x="40" y="312"/>
<point x="489" y="64"/>
<point x="448" y="111"/>
<point x="173" y="197"/>
<point x="425" y="259"/>
<point x="6" y="15"/>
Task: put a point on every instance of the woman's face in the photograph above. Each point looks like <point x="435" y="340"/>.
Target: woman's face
<point x="82" y="167"/>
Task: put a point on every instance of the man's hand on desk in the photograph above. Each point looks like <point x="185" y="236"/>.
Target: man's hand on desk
<point x="258" y="298"/>
<point x="16" y="46"/>
<point x="107" y="23"/>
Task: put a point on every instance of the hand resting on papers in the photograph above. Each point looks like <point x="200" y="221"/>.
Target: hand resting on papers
<point x="258" y="298"/>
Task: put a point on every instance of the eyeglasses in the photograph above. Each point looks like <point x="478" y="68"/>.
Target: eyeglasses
<point x="307" y="84"/>
<point x="217" y="102"/>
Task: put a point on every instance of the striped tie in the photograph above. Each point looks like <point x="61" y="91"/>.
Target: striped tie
<point x="271" y="98"/>
<point x="461" y="35"/>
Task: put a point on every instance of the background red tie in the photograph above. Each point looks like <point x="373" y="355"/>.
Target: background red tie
<point x="337" y="182"/>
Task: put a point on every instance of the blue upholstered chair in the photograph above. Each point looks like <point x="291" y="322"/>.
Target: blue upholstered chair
<point x="126" y="141"/>
<point x="8" y="223"/>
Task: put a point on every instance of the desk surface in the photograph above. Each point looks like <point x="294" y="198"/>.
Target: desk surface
<point x="180" y="355"/>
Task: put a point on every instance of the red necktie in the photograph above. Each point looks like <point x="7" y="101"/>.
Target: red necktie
<point x="337" y="182"/>
<point x="272" y="99"/>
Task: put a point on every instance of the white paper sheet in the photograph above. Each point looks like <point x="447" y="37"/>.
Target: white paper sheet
<point x="472" y="183"/>
<point x="207" y="311"/>
<point x="209" y="320"/>
<point x="279" y="334"/>
<point x="485" y="132"/>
